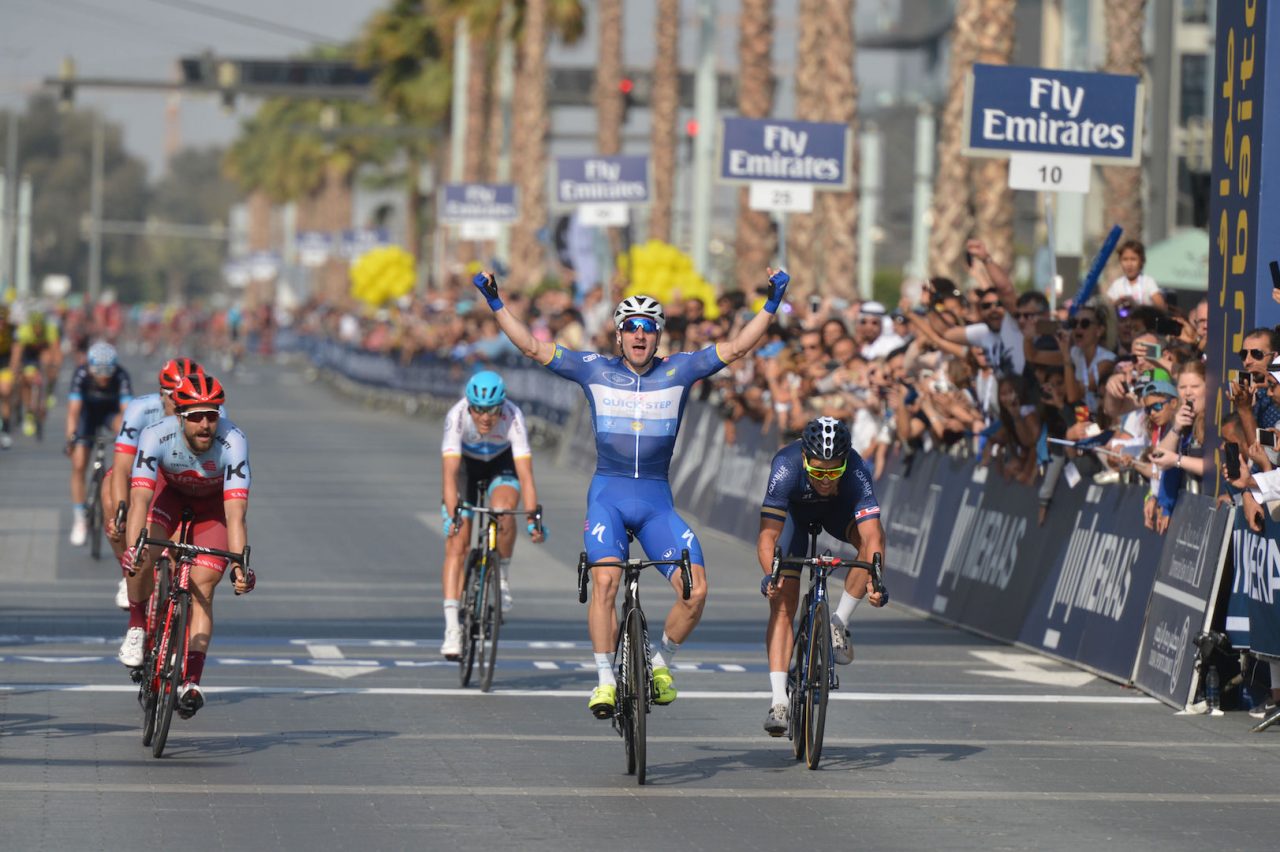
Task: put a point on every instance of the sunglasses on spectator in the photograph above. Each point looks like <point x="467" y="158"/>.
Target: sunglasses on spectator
<point x="987" y="306"/>
<point x="1082" y="322"/>
<point x="1156" y="407"/>
<point x="825" y="475"/>
<point x="1255" y="354"/>
<point x="1026" y="315"/>
<point x="485" y="409"/>
<point x="634" y="324"/>
<point x="200" y="416"/>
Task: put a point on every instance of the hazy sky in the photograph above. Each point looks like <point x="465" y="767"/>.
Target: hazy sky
<point x="143" y="38"/>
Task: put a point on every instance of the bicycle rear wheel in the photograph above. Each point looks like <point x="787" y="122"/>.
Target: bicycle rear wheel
<point x="490" y="620"/>
<point x="796" y="684"/>
<point x="93" y="511"/>
<point x="172" y="663"/>
<point x="819" y="685"/>
<point x="467" y="609"/>
<point x="637" y="701"/>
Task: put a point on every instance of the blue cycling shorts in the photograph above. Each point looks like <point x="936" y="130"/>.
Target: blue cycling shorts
<point x="618" y="503"/>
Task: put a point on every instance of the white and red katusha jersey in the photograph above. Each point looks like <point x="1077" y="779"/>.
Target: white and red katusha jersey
<point x="224" y="469"/>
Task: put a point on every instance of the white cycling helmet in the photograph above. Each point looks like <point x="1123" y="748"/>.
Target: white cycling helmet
<point x="639" y="306"/>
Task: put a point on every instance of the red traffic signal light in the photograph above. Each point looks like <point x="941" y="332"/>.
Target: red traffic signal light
<point x="625" y="85"/>
<point x="691" y="127"/>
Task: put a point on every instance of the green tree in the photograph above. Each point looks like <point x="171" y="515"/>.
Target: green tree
<point x="193" y="192"/>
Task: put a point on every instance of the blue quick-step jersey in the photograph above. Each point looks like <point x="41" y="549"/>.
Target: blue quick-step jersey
<point x="635" y="418"/>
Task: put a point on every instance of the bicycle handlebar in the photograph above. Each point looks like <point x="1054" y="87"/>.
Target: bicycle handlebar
<point x="242" y="559"/>
<point x="536" y="514"/>
<point x="686" y="571"/>
<point x="830" y="562"/>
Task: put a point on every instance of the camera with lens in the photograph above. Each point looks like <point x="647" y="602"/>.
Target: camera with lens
<point x="1210" y="641"/>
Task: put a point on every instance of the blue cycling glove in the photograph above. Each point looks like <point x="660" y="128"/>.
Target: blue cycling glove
<point x="764" y="584"/>
<point x="488" y="287"/>
<point x="448" y="519"/>
<point x="778" y="282"/>
<point x="533" y="528"/>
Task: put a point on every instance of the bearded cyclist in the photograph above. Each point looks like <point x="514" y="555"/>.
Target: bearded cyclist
<point x="818" y="478"/>
<point x="197" y="459"/>
<point x="484" y="441"/>
<point x="637" y="401"/>
<point x="141" y="412"/>
<point x="99" y="393"/>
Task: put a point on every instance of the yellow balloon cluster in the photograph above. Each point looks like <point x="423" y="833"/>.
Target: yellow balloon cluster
<point x="667" y="274"/>
<point x="382" y="274"/>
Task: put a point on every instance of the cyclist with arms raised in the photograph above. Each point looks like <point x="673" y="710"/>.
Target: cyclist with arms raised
<point x="637" y="401"/>
<point x="818" y="478"/>
<point x="99" y="393"/>
<point x="200" y="459"/>
<point x="141" y="412"/>
<point x="484" y="441"/>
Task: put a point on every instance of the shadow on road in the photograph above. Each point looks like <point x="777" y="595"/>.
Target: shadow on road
<point x="718" y="760"/>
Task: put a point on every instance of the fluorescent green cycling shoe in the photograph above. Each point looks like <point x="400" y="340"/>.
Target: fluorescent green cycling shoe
<point x="664" y="690"/>
<point x="604" y="699"/>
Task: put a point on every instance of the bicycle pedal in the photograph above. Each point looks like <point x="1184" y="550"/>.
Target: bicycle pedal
<point x="136" y="674"/>
<point x="602" y="712"/>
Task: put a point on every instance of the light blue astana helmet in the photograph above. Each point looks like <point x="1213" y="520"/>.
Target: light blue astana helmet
<point x="102" y="357"/>
<point x="486" y="388"/>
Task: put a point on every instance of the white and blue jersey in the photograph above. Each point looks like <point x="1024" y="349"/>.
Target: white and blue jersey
<point x="635" y="418"/>
<point x="789" y="497"/>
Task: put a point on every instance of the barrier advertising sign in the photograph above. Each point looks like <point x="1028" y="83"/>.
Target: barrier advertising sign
<point x="1010" y="109"/>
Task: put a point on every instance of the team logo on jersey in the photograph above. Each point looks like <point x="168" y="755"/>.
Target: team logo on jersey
<point x="866" y="513"/>
<point x="149" y="462"/>
<point x="671" y="372"/>
<point x="687" y="535"/>
<point x="127" y="432"/>
<point x="598" y="532"/>
<point x="620" y="379"/>
<point x="588" y="358"/>
<point x="210" y="465"/>
<point x="636" y="425"/>
<point x="238" y="471"/>
<point x="668" y="553"/>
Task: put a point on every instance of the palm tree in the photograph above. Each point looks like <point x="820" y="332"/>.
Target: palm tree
<point x="757" y="241"/>
<point x="951" y="213"/>
<point x="803" y="228"/>
<point x="530" y="132"/>
<point x="608" y="96"/>
<point x="666" y="108"/>
<point x="1122" y="185"/>
<point x="839" y="94"/>
<point x="992" y="197"/>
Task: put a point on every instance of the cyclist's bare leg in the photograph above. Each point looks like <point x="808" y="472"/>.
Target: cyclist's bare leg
<point x="505" y="497"/>
<point x="685" y="614"/>
<point x="6" y="396"/>
<point x="204" y="580"/>
<point x="79" y="462"/>
<point x="455" y="555"/>
<point x="602" y="610"/>
<point x="778" y="635"/>
<point x="857" y="581"/>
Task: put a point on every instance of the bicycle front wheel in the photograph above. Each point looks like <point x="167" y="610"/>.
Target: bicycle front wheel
<point x="641" y="684"/>
<point x="93" y="512"/>
<point x="490" y="620"/>
<point x="172" y="662"/>
<point x="468" y="607"/>
<point x="819" y="685"/>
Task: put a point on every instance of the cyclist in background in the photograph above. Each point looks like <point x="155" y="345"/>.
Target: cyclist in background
<point x="98" y="395"/>
<point x="36" y="358"/>
<point x="818" y="478"/>
<point x="141" y="412"/>
<point x="637" y="401"/>
<point x="200" y="459"/>
<point x="7" y="343"/>
<point x="484" y="441"/>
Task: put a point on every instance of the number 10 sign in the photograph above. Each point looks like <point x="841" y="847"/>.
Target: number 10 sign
<point x="1049" y="173"/>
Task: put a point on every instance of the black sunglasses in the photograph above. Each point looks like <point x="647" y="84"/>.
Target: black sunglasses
<point x="1255" y="354"/>
<point x="485" y="409"/>
<point x="1082" y="322"/>
<point x="987" y="306"/>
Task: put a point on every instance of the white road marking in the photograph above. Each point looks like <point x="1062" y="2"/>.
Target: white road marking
<point x="545" y="665"/>
<point x="905" y="697"/>
<point x="325" y="652"/>
<point x="340" y="666"/>
<point x="631" y="791"/>
<point x="1028" y="668"/>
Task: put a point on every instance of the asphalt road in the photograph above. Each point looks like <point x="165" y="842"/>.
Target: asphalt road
<point x="332" y="722"/>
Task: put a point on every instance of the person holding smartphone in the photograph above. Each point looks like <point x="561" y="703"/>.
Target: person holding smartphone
<point x="1182" y="447"/>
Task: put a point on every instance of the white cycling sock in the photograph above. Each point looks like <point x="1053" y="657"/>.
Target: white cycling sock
<point x="450" y="614"/>
<point x="848" y="604"/>
<point x="665" y="654"/>
<point x="778" y="683"/>
<point x="604" y="669"/>
<point x="504" y="567"/>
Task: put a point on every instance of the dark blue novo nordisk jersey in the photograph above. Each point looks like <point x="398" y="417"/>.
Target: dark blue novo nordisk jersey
<point x="789" y="487"/>
<point x="636" y="418"/>
<point x="84" y="388"/>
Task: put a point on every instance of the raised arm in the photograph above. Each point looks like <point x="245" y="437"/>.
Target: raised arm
<point x="746" y="339"/>
<point x="540" y="350"/>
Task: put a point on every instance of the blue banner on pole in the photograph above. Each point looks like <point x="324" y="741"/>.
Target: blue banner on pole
<point x="602" y="180"/>
<point x="478" y="202"/>
<point x="1010" y="109"/>
<point x="771" y="150"/>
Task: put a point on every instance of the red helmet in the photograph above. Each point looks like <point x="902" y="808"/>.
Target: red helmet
<point x="172" y="373"/>
<point x="197" y="390"/>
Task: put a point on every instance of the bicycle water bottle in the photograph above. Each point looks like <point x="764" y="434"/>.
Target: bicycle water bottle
<point x="1212" y="689"/>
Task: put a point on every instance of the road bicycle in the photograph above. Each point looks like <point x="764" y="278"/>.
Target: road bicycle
<point x="164" y="662"/>
<point x="631" y="659"/>
<point x="480" y="607"/>
<point x="813" y="673"/>
<point x="93" y="499"/>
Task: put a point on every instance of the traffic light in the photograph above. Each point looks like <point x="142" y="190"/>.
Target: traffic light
<point x="228" y="79"/>
<point x="627" y="87"/>
<point x="66" y="88"/>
